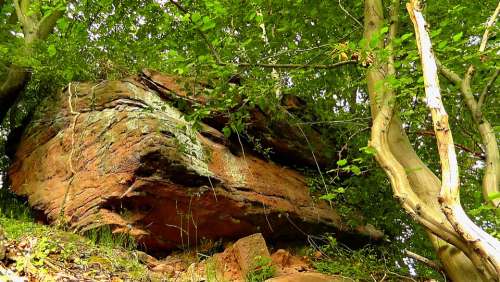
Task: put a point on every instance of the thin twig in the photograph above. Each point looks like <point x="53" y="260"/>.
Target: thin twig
<point x="291" y="66"/>
<point x="345" y="11"/>
<point x="262" y="65"/>
<point x="460" y="146"/>
<point x="295" y="51"/>
<point x="430" y="263"/>
<point x="487" y="88"/>
<point x="332" y="121"/>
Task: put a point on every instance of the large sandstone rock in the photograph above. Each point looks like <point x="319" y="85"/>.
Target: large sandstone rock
<point x="122" y="156"/>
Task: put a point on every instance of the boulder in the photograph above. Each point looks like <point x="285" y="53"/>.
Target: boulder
<point x="118" y="154"/>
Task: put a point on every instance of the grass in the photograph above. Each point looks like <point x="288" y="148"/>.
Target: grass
<point x="262" y="270"/>
<point x="101" y="253"/>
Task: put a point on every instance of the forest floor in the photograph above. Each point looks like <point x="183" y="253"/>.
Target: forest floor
<point x="31" y="251"/>
<point x="35" y="252"/>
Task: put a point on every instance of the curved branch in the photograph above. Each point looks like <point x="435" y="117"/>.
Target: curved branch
<point x="478" y="240"/>
<point x="9" y="89"/>
<point x="219" y="61"/>
<point x="430" y="263"/>
<point x="486" y="89"/>
<point x="48" y="22"/>
<point x="449" y="74"/>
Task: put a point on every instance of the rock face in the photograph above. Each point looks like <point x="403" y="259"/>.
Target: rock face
<point x="117" y="154"/>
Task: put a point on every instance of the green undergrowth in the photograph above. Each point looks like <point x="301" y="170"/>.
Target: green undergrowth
<point x="369" y="263"/>
<point x="261" y="270"/>
<point x="101" y="255"/>
<point x="70" y="251"/>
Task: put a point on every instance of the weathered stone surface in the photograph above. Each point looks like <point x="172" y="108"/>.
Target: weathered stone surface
<point x="248" y="249"/>
<point x="122" y="156"/>
<point x="290" y="143"/>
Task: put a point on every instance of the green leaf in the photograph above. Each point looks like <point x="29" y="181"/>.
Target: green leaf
<point x="227" y="131"/>
<point x="355" y="169"/>
<point x="458" y="36"/>
<point x="207" y="24"/>
<point x="196" y="17"/>
<point x="342" y="162"/>
<point x="368" y="150"/>
<point x="52" y="50"/>
<point x="406" y="36"/>
<point x="328" y="197"/>
<point x="442" y="44"/>
<point x="62" y="24"/>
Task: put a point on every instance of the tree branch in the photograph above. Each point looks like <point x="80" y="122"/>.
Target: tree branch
<point x="471" y="70"/>
<point x="448" y="73"/>
<point x="9" y="89"/>
<point x="219" y="61"/>
<point x="292" y="66"/>
<point x="490" y="23"/>
<point x="486" y="89"/>
<point x="393" y="32"/>
<point x="19" y="12"/>
<point x="25" y="6"/>
<point x="203" y="35"/>
<point x="430" y="263"/>
<point x="460" y="146"/>
<point x="47" y="23"/>
<point x="449" y="197"/>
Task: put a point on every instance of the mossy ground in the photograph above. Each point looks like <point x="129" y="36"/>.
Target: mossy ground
<point x="45" y="253"/>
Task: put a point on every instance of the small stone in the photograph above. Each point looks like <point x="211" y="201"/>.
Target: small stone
<point x="248" y="249"/>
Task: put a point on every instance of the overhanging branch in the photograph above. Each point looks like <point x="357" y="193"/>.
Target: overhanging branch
<point x="219" y="61"/>
<point x="490" y="23"/>
<point x="293" y="66"/>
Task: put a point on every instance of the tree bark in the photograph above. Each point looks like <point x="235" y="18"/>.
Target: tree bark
<point x="483" y="243"/>
<point x="35" y="27"/>
<point x="423" y="185"/>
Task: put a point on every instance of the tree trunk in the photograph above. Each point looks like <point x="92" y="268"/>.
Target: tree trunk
<point x="35" y="27"/>
<point x="423" y="185"/>
<point x="10" y="88"/>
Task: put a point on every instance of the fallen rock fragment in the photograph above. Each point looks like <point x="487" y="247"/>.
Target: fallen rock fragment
<point x="248" y="249"/>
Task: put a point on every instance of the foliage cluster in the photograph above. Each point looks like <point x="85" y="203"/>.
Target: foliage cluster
<point x="214" y="41"/>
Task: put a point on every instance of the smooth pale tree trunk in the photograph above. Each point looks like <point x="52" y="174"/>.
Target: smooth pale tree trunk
<point x="420" y="186"/>
<point x="449" y="198"/>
